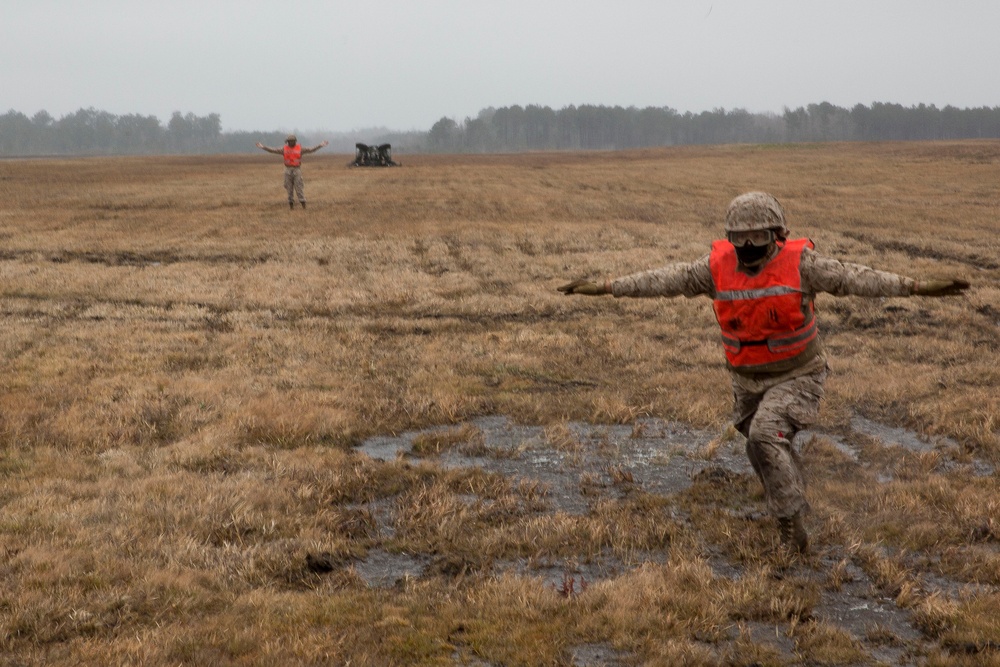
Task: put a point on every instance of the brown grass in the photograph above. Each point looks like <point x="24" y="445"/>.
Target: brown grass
<point x="187" y="364"/>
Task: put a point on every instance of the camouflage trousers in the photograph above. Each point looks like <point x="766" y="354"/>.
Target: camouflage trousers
<point x="294" y="184"/>
<point x="769" y="411"/>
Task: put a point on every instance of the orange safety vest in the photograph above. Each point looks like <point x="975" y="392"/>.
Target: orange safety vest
<point x="293" y="155"/>
<point x="765" y="318"/>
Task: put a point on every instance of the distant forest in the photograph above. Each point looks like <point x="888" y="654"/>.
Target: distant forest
<point x="508" y="129"/>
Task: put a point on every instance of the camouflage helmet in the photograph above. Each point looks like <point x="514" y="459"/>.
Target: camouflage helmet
<point x="291" y="137"/>
<point x="756" y="210"/>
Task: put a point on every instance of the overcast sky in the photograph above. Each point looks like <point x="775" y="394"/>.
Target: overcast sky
<point x="343" y="65"/>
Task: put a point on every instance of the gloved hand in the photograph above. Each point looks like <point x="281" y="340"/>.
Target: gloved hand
<point x="940" y="287"/>
<point x="588" y="287"/>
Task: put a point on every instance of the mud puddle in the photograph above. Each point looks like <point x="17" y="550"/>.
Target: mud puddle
<point x="892" y="436"/>
<point x="579" y="464"/>
<point x="853" y="603"/>
<point x="874" y="620"/>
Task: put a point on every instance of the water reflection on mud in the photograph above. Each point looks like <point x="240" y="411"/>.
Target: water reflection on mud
<point x="578" y="464"/>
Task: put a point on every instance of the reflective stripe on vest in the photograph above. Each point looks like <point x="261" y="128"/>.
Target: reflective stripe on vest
<point x="776" y="343"/>
<point x="764" y="318"/>
<point x="293" y="155"/>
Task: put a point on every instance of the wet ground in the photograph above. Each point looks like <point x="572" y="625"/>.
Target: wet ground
<point x="652" y="453"/>
<point x="660" y="457"/>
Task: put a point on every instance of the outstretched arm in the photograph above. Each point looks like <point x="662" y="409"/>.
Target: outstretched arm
<point x="268" y="148"/>
<point x="824" y="274"/>
<point x="316" y="147"/>
<point x="680" y="279"/>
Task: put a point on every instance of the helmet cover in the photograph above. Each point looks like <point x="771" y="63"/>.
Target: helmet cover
<point x="756" y="210"/>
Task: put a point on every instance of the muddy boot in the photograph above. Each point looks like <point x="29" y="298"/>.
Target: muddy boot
<point x="303" y="203"/>
<point x="793" y="532"/>
<point x="291" y="205"/>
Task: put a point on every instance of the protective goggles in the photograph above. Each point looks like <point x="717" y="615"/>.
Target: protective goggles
<point x="755" y="237"/>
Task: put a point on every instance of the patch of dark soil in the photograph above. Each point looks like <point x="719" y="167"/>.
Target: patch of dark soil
<point x="131" y="258"/>
<point x="324" y="562"/>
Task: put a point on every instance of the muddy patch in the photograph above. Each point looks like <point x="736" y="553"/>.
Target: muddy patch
<point x="849" y="600"/>
<point x="891" y="435"/>
<point x="873" y="619"/>
<point x="577" y="463"/>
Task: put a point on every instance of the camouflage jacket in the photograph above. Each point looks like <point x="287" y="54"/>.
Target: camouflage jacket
<point x="818" y="273"/>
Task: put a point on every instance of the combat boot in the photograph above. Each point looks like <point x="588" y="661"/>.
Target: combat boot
<point x="303" y="203"/>
<point x="793" y="532"/>
<point x="291" y="205"/>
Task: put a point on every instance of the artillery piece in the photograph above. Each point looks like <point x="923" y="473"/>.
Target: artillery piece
<point x="373" y="156"/>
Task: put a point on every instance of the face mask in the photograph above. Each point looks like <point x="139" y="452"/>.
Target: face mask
<point x="749" y="255"/>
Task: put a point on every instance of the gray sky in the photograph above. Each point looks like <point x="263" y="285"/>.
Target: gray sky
<point x="343" y="65"/>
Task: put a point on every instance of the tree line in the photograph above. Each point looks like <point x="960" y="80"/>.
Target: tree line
<point x="601" y="127"/>
<point x="93" y="132"/>
<point x="507" y="129"/>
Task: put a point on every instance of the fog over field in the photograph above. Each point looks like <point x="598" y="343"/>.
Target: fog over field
<point x="338" y="66"/>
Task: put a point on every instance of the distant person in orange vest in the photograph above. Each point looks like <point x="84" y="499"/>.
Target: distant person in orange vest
<point x="292" y="152"/>
<point x="763" y="285"/>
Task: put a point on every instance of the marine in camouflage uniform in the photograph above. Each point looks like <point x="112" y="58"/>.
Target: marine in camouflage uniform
<point x="292" y="153"/>
<point x="776" y="395"/>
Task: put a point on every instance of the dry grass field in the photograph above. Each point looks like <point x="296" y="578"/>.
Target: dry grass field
<point x="194" y="379"/>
